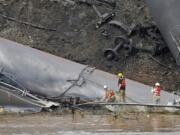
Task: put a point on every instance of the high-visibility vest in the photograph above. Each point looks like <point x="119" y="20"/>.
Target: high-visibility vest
<point x="157" y="91"/>
<point x="122" y="84"/>
<point x="110" y="93"/>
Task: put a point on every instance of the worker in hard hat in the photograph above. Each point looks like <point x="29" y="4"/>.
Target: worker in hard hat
<point x="156" y="93"/>
<point x="109" y="94"/>
<point x="121" y="87"/>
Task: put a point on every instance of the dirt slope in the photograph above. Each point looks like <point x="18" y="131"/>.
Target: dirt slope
<point x="76" y="38"/>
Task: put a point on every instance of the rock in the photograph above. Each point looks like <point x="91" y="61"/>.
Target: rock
<point x="82" y="15"/>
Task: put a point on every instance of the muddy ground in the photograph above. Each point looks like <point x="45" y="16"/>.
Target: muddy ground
<point x="73" y="35"/>
<point x="87" y="124"/>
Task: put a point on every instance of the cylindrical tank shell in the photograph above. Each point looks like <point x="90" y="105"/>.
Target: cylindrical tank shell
<point x="166" y="14"/>
<point x="42" y="73"/>
<point x="47" y="75"/>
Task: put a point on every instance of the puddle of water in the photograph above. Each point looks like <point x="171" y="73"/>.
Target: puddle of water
<point x="86" y="124"/>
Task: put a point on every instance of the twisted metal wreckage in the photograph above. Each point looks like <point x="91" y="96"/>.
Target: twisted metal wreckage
<point x="33" y="78"/>
<point x="30" y="78"/>
<point x="166" y="16"/>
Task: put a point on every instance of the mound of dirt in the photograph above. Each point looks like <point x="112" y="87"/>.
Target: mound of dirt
<point x="67" y="29"/>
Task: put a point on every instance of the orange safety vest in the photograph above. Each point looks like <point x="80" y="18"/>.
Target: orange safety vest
<point x="110" y="93"/>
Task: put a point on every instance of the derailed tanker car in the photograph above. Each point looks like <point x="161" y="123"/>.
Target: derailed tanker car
<point x="30" y="78"/>
<point x="167" y="17"/>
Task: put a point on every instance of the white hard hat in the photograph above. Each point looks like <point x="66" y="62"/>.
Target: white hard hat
<point x="157" y="84"/>
<point x="105" y="87"/>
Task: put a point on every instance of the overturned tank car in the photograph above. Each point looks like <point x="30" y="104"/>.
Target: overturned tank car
<point x="34" y="78"/>
<point x="167" y="17"/>
<point x="30" y="78"/>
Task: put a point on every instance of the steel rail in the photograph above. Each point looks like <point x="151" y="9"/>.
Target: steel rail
<point x="128" y="104"/>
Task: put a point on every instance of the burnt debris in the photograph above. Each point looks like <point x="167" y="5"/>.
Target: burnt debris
<point x="142" y="31"/>
<point x="125" y="41"/>
<point x="111" y="3"/>
<point x="103" y="18"/>
<point x="120" y="42"/>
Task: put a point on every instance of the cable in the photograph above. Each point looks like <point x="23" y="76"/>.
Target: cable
<point x="26" y="23"/>
<point x="72" y="85"/>
<point x="162" y="64"/>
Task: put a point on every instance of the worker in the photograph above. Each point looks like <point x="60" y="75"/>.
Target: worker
<point x="121" y="87"/>
<point x="156" y="93"/>
<point x="109" y="94"/>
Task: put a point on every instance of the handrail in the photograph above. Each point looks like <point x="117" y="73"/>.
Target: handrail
<point x="33" y="99"/>
<point x="128" y="104"/>
<point x="72" y="85"/>
<point x="23" y="92"/>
